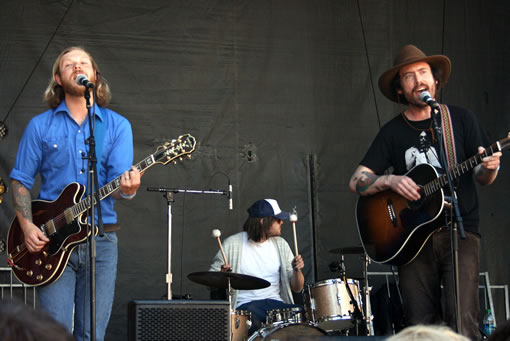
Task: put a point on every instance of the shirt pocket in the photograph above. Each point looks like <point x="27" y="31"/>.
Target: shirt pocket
<point x="57" y="153"/>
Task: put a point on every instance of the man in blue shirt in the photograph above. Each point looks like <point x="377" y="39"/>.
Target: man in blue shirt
<point x="52" y="146"/>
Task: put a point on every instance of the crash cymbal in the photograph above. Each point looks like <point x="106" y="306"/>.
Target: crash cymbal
<point x="218" y="279"/>
<point x="353" y="250"/>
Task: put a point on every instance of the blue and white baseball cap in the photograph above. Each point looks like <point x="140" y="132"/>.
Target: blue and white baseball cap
<point x="267" y="208"/>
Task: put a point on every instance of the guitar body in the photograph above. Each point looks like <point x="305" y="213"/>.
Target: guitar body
<point x="392" y="229"/>
<point x="47" y="265"/>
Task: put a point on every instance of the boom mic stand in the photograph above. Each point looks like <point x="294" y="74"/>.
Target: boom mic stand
<point x="169" y="195"/>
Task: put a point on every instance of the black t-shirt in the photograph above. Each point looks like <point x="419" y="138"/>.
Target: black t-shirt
<point x="402" y="144"/>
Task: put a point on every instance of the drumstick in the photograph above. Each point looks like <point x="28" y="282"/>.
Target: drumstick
<point x="216" y="234"/>
<point x="293" y="219"/>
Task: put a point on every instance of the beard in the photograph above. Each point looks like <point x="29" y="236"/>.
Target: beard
<point x="415" y="100"/>
<point x="70" y="87"/>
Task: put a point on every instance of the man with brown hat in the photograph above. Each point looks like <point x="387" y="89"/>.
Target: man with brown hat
<point x="409" y="140"/>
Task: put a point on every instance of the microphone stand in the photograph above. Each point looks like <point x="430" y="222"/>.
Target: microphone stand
<point x="456" y="218"/>
<point x="93" y="200"/>
<point x="169" y="195"/>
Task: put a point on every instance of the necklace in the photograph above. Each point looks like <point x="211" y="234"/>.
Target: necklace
<point x="430" y="129"/>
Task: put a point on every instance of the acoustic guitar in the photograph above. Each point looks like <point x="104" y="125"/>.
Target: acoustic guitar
<point x="393" y="229"/>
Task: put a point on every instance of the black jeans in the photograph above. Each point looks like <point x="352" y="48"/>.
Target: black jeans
<point x="421" y="280"/>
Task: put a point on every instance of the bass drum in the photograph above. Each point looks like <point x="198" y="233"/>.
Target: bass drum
<point x="286" y="331"/>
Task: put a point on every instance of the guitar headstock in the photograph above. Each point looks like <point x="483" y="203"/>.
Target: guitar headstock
<point x="184" y="145"/>
<point x="504" y="143"/>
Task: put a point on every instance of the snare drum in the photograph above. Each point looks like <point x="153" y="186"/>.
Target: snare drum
<point x="285" y="315"/>
<point x="241" y="323"/>
<point x="286" y="331"/>
<point x="329" y="305"/>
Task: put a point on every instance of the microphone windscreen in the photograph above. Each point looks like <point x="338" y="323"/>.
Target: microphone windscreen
<point x="80" y="78"/>
<point x="424" y="95"/>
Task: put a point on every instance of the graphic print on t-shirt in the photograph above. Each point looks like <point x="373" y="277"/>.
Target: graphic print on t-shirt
<point x="423" y="153"/>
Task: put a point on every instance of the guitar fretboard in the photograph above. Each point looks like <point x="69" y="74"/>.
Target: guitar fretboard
<point x="109" y="188"/>
<point x="461" y="169"/>
<point x="184" y="145"/>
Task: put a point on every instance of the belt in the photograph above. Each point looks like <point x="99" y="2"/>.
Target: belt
<point x="111" y="227"/>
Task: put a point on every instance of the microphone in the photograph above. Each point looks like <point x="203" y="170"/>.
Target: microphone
<point x="425" y="97"/>
<point x="83" y="80"/>
<point x="229" y="196"/>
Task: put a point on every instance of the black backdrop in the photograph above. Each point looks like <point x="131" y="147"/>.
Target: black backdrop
<point x="281" y="97"/>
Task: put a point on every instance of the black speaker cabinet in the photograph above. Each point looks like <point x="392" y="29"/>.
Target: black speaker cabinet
<point x="178" y="320"/>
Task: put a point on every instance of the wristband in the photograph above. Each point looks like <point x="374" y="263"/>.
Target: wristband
<point x="127" y="197"/>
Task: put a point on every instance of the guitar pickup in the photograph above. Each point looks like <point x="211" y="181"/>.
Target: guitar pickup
<point x="391" y="212"/>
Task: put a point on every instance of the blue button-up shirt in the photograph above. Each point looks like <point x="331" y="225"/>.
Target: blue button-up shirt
<point x="52" y="146"/>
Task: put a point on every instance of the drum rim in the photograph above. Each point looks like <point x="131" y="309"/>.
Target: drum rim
<point x="281" y="325"/>
<point x="333" y="281"/>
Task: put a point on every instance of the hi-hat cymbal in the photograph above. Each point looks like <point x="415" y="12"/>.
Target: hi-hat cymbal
<point x="353" y="250"/>
<point x="218" y="279"/>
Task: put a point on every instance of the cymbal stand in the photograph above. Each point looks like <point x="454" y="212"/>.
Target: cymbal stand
<point x="357" y="314"/>
<point x="342" y="267"/>
<point x="366" y="291"/>
<point x="231" y="310"/>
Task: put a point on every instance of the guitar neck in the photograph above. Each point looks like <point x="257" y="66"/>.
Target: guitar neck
<point x="460" y="169"/>
<point x="105" y="191"/>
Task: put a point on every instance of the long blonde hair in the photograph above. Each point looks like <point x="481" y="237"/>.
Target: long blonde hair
<point x="54" y="94"/>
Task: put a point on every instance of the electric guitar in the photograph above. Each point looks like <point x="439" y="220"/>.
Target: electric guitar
<point x="64" y="221"/>
<point x="392" y="229"/>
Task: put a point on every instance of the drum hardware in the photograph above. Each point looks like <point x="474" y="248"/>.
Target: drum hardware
<point x="329" y="305"/>
<point x="284" y="315"/>
<point x="231" y="281"/>
<point x="358" y="315"/>
<point x="286" y="331"/>
<point x="240" y="324"/>
<point x="369" y="325"/>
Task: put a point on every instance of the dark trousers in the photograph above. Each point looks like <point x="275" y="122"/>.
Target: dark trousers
<point x="421" y="279"/>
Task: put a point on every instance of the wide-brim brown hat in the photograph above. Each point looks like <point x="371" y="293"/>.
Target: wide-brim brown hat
<point x="410" y="54"/>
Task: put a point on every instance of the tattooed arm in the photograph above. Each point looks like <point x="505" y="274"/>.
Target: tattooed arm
<point x="365" y="182"/>
<point x="34" y="238"/>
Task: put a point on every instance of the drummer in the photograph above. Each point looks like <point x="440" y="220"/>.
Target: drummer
<point x="260" y="251"/>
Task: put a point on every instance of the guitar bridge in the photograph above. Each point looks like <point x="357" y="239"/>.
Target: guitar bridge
<point x="391" y="212"/>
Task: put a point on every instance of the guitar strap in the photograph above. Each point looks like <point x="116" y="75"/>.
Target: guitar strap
<point x="449" y="142"/>
<point x="99" y="136"/>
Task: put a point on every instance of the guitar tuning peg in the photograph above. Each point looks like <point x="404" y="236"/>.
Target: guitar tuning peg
<point x="188" y="156"/>
<point x="180" y="159"/>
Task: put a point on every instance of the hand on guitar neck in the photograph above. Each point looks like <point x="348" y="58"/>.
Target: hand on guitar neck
<point x="129" y="183"/>
<point x="487" y="171"/>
